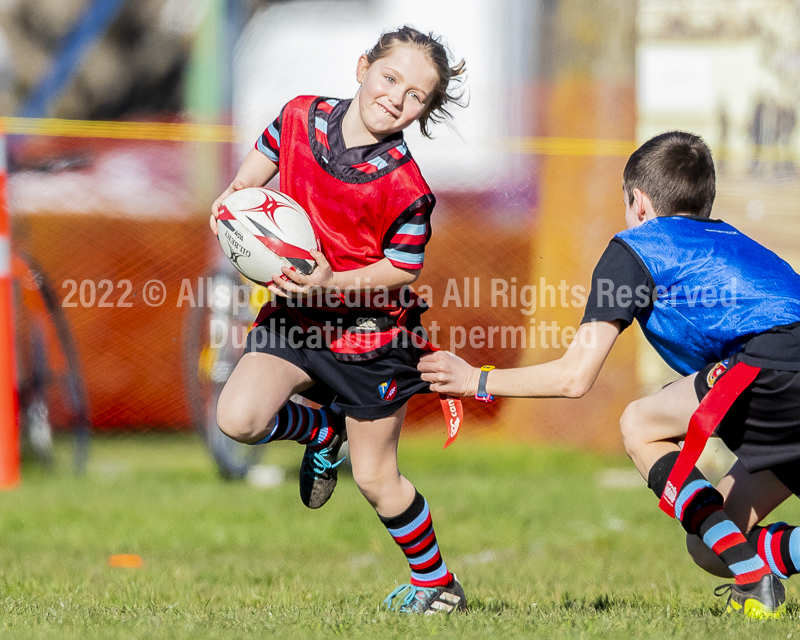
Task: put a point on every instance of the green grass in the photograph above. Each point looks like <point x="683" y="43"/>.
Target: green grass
<point x="542" y="549"/>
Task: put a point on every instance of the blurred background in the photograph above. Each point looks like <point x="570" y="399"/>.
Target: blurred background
<point x="124" y="120"/>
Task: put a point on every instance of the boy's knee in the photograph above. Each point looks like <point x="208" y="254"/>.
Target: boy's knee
<point x="630" y="426"/>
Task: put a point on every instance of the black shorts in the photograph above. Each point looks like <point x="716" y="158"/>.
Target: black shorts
<point x="762" y="426"/>
<point x="367" y="390"/>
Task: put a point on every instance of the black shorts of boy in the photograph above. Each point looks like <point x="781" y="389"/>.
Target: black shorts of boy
<point x="763" y="426"/>
<point x="367" y="390"/>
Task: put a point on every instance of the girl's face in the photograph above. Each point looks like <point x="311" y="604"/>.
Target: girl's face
<point x="394" y="90"/>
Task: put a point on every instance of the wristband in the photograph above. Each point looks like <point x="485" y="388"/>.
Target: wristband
<point x="482" y="396"/>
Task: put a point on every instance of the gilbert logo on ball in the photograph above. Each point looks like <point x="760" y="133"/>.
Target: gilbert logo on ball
<point x="261" y="230"/>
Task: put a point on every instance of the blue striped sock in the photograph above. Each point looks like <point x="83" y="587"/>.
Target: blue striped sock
<point x="311" y="427"/>
<point x="698" y="507"/>
<point x="779" y="545"/>
<point x="413" y="531"/>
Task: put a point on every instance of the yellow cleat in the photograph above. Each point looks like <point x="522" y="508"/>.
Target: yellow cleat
<point x="760" y="600"/>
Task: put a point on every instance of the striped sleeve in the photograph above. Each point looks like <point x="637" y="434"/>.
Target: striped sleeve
<point x="405" y="242"/>
<point x="269" y="142"/>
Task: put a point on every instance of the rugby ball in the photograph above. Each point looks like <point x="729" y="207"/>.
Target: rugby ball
<point x="262" y="230"/>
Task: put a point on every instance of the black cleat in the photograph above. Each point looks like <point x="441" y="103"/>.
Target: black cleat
<point x="763" y="599"/>
<point x="408" y="598"/>
<point x="318" y="471"/>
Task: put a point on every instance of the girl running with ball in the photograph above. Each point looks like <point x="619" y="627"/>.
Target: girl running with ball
<point x="346" y="163"/>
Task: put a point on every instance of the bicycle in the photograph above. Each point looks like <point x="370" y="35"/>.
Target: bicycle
<point x="51" y="393"/>
<point x="214" y="338"/>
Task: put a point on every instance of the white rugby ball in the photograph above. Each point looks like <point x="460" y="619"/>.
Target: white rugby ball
<point x="262" y="230"/>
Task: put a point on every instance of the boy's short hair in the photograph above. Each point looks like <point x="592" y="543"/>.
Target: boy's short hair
<point x="675" y="171"/>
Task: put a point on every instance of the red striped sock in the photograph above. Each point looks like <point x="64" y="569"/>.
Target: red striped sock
<point x="698" y="507"/>
<point x="311" y="427"/>
<point x="726" y="540"/>
<point x="413" y="531"/>
<point x="779" y="545"/>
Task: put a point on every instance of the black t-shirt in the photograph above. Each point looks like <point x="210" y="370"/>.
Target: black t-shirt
<point x="622" y="287"/>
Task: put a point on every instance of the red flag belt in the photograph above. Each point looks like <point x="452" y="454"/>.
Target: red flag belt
<point x="702" y="424"/>
<point x="452" y="408"/>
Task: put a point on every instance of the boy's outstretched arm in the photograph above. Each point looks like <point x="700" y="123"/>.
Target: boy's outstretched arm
<point x="571" y="376"/>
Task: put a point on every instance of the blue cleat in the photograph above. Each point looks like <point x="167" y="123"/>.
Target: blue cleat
<point x="408" y="598"/>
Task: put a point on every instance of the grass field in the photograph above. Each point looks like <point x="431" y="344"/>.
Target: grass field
<point x="544" y="546"/>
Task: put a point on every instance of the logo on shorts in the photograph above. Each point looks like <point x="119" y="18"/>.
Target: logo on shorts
<point x="716" y="372"/>
<point x="388" y="390"/>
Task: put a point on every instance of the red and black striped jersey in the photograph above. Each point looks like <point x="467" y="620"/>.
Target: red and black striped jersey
<point x="367" y="202"/>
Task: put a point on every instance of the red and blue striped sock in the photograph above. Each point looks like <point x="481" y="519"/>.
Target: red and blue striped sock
<point x="698" y="507"/>
<point x="413" y="531"/>
<point x="779" y="545"/>
<point x="311" y="427"/>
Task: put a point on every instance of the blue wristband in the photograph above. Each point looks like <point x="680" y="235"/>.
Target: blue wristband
<point x="482" y="396"/>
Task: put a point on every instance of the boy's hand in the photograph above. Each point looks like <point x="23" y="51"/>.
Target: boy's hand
<point x="294" y="283"/>
<point x="449" y="374"/>
<point x="234" y="186"/>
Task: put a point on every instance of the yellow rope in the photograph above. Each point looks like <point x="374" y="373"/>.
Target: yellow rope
<point x="571" y="146"/>
<point x="191" y="132"/>
<point x="194" y="132"/>
<point x="172" y="131"/>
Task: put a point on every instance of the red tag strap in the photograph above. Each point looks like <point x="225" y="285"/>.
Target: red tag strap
<point x="453" y="416"/>
<point x="702" y="424"/>
<point x="451" y="407"/>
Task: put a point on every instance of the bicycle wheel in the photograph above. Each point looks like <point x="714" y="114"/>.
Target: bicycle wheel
<point x="50" y="386"/>
<point x="211" y="350"/>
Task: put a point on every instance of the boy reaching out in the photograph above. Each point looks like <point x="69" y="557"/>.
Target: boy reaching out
<point x="724" y="312"/>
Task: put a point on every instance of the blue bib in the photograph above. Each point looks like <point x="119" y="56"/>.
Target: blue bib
<point x="715" y="289"/>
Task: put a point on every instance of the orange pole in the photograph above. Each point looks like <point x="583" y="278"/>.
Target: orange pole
<point x="9" y="428"/>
